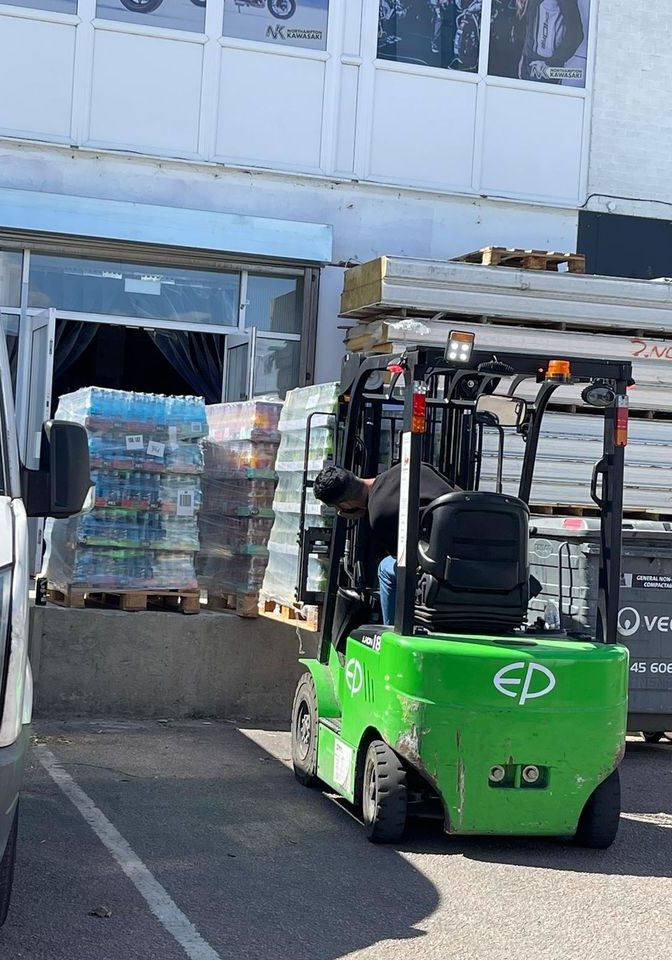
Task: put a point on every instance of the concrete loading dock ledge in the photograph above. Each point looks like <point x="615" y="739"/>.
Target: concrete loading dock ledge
<point x="93" y="663"/>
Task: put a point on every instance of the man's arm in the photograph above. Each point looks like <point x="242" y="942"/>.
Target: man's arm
<point x="573" y="34"/>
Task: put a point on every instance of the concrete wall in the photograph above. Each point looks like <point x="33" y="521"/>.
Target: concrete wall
<point x="632" y="122"/>
<point x="106" y="663"/>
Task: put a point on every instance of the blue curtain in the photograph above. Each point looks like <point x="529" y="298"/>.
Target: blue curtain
<point x="197" y="357"/>
<point x="72" y="339"/>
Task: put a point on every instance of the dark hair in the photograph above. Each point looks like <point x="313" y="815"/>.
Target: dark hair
<point x="333" y="485"/>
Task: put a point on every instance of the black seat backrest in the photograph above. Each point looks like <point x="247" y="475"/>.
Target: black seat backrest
<point x="476" y="541"/>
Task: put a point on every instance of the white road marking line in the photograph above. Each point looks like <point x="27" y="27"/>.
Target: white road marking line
<point x="158" y="900"/>
<point x="658" y="819"/>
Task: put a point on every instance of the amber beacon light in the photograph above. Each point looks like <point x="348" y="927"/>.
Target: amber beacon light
<point x="560" y="370"/>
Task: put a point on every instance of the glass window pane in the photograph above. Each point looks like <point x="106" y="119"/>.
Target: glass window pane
<point x="129" y="290"/>
<point x="174" y="14"/>
<point x="436" y="33"/>
<point x="10" y="328"/>
<point x="236" y="374"/>
<point x="55" y="6"/>
<point x="276" y="369"/>
<point x="286" y="23"/>
<point x="274" y="303"/>
<point x="542" y="40"/>
<point x="11" y="264"/>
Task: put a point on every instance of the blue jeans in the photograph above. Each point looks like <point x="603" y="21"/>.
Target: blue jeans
<point x="387" y="578"/>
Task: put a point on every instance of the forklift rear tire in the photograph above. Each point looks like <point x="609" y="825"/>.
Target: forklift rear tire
<point x="599" y="821"/>
<point x="653" y="737"/>
<point x="7" y="869"/>
<point x="384" y="794"/>
<point x="304" y="731"/>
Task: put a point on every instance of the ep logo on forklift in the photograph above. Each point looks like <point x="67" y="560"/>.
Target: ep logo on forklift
<point x="503" y="679"/>
<point x="354" y="676"/>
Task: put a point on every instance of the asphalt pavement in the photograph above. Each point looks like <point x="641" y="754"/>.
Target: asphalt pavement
<point x="207" y="848"/>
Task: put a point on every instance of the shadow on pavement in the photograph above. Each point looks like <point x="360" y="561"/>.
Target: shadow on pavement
<point x="264" y="868"/>
<point x="643" y="847"/>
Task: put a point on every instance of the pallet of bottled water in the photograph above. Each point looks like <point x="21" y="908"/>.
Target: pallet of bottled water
<point x="307" y="438"/>
<point x="142" y="534"/>
<point x="236" y="517"/>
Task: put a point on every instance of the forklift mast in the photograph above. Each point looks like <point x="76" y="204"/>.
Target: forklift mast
<point x="435" y="400"/>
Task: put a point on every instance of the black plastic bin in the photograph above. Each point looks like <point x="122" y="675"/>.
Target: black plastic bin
<point x="564" y="555"/>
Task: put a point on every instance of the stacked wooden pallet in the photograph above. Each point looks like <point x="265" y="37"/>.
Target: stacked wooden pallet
<point x="242" y="604"/>
<point x="295" y="615"/>
<point x="130" y="601"/>
<point x="526" y="259"/>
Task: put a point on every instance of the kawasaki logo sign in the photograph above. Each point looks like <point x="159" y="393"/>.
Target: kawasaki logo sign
<point x="630" y="621"/>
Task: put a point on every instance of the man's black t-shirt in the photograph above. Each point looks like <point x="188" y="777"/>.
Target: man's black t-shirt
<point x="383" y="507"/>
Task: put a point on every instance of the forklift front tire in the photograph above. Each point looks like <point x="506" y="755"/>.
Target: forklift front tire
<point x="304" y="731"/>
<point x="601" y="815"/>
<point x="384" y="794"/>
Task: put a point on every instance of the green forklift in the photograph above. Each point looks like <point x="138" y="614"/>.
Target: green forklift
<point x="464" y="709"/>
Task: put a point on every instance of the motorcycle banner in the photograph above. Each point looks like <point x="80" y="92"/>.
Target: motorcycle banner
<point x="540" y="40"/>
<point x="296" y="23"/>
<point x="434" y="33"/>
<point x="186" y="15"/>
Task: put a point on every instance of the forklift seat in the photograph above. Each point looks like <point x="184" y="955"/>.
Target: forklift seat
<point x="474" y="567"/>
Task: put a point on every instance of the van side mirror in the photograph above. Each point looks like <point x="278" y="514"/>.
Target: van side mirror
<point x="497" y="410"/>
<point x="60" y="487"/>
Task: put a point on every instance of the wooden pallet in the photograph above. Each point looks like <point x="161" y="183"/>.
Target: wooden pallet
<point x="242" y="604"/>
<point x="130" y="601"/>
<point x="307" y="618"/>
<point x="525" y="259"/>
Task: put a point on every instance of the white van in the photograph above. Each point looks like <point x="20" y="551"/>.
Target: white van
<point x="58" y="489"/>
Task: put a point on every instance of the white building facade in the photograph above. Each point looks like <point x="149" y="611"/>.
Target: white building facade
<point x="181" y="185"/>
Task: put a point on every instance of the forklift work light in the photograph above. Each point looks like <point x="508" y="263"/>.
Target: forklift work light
<point x="460" y="345"/>
<point x="598" y="394"/>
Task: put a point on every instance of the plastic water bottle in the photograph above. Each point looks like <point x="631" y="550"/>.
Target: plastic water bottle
<point x="552" y="616"/>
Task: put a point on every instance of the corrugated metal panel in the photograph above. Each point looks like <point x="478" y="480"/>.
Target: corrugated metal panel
<point x="393" y="284"/>
<point x="568" y="449"/>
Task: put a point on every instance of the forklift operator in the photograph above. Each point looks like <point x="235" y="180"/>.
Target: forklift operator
<point x="378" y="498"/>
